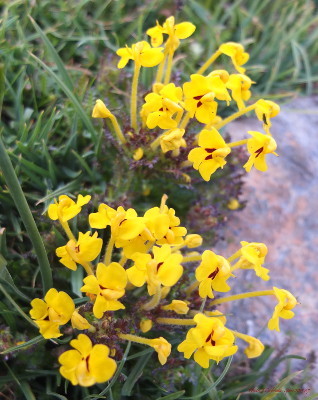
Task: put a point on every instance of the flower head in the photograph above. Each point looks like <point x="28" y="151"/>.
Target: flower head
<point x="286" y="302"/>
<point x="238" y="56"/>
<point x="209" y="340"/>
<point x="199" y="98"/>
<point x="142" y="53"/>
<point x="175" y="32"/>
<point x="162" y="347"/>
<point x="212" y="273"/>
<point x="255" y="347"/>
<point x="172" y="140"/>
<point x="108" y="285"/>
<point x="66" y="208"/>
<point x="240" y="85"/>
<point x="49" y="314"/>
<point x="211" y="154"/>
<point x="252" y="257"/>
<point x="145" y="325"/>
<point x="193" y="240"/>
<point x="100" y="110"/>
<point x="178" y="306"/>
<point x="86" y="249"/>
<point x="258" y="146"/>
<point x="87" y="364"/>
<point x="265" y="110"/>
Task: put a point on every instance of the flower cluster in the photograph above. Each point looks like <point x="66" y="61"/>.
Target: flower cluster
<point x="154" y="252"/>
<point x="201" y="100"/>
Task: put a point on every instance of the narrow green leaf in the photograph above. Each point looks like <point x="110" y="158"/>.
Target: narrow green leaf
<point x="53" y="53"/>
<point x="172" y="396"/>
<point x="30" y="342"/>
<point x="280" y="385"/>
<point x="74" y="99"/>
<point x="135" y="374"/>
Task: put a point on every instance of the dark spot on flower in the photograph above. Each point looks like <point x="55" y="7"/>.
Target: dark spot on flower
<point x="77" y="249"/>
<point x="199" y="104"/>
<point x="122" y="221"/>
<point x="87" y="366"/>
<point x="209" y="339"/>
<point x="159" y="265"/>
<point x="209" y="150"/>
<point x="264" y="119"/>
<point x="209" y="157"/>
<point x="214" y="274"/>
<point x="259" y="151"/>
<point x="198" y="97"/>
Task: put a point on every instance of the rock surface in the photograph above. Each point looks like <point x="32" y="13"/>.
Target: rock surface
<point x="282" y="212"/>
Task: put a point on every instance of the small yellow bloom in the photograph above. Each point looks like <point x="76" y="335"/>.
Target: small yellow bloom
<point x="159" y="108"/>
<point x="212" y="273"/>
<point x="255" y="346"/>
<point x="79" y="322"/>
<point x="178" y="306"/>
<point x="258" y="146"/>
<point x="237" y="53"/>
<point x="100" y="110"/>
<point x="125" y="225"/>
<point x="108" y="285"/>
<point x="86" y="249"/>
<point x="252" y="257"/>
<point x="164" y="226"/>
<point x="218" y="79"/>
<point x="49" y="314"/>
<point x="175" y="32"/>
<point x="163" y="268"/>
<point x="233" y="204"/>
<point x="286" y="302"/>
<point x="142" y="53"/>
<point x="193" y="240"/>
<point x="138" y="154"/>
<point x="162" y="347"/>
<point x="66" y="208"/>
<point x="172" y="140"/>
<point x="199" y="98"/>
<point x="145" y="325"/>
<point x="265" y="110"/>
<point x="87" y="364"/>
<point x="209" y="340"/>
<point x="240" y="85"/>
<point x="210" y="155"/>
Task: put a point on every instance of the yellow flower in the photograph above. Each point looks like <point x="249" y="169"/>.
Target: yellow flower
<point x="163" y="268"/>
<point x="145" y="325"/>
<point x="125" y="225"/>
<point x="255" y="346"/>
<point x="162" y="347"/>
<point x="142" y="53"/>
<point x="87" y="364"/>
<point x="159" y="108"/>
<point x="210" y="155"/>
<point x="239" y="84"/>
<point x="86" y="249"/>
<point x="236" y="52"/>
<point x="233" y="204"/>
<point x="100" y="110"/>
<point x="164" y="226"/>
<point x="193" y="240"/>
<point x="265" y="110"/>
<point x="175" y="32"/>
<point x="172" y="140"/>
<point x="286" y="302"/>
<point x="218" y="79"/>
<point x="178" y="306"/>
<point x="199" y="98"/>
<point x="66" y="208"/>
<point x="216" y="314"/>
<point x="258" y="146"/>
<point x="108" y="285"/>
<point x="210" y="340"/>
<point x="138" y="154"/>
<point x="49" y="314"/>
<point x="79" y="322"/>
<point x="212" y="273"/>
<point x="252" y="257"/>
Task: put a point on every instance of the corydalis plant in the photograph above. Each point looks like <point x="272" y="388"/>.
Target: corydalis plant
<point x="151" y="253"/>
<point x="170" y="108"/>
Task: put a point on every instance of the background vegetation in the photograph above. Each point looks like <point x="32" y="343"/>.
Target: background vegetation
<point x="56" y="59"/>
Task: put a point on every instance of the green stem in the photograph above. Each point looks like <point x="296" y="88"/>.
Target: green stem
<point x="160" y="70"/>
<point x="175" y="321"/>
<point x="169" y="68"/>
<point x="26" y="216"/>
<point x="235" y="115"/>
<point x="109" y="251"/>
<point x="206" y="65"/>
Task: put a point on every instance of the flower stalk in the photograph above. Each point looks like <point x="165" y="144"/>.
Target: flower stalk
<point x="133" y="104"/>
<point x="242" y="296"/>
